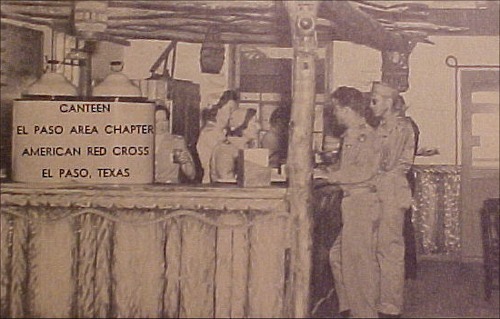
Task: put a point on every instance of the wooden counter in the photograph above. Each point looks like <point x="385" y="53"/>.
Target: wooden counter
<point x="144" y="251"/>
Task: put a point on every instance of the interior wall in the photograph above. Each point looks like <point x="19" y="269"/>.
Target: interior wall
<point x="431" y="95"/>
<point x="432" y="90"/>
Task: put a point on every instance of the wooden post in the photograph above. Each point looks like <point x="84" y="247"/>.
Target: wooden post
<point x="85" y="78"/>
<point x="328" y="109"/>
<point x="302" y="16"/>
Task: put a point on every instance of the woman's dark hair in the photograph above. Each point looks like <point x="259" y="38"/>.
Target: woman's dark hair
<point x="228" y="95"/>
<point x="239" y="130"/>
<point x="208" y="115"/>
<point x="280" y="116"/>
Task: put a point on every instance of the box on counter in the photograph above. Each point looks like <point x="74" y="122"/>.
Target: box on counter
<point x="253" y="168"/>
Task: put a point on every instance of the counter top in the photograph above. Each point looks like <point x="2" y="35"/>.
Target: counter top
<point x="225" y="197"/>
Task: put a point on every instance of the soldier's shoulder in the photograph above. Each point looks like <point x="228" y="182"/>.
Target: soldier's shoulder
<point x="404" y="120"/>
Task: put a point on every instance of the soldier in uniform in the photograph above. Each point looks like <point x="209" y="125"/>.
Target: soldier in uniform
<point x="353" y="256"/>
<point x="398" y="148"/>
<point x="171" y="154"/>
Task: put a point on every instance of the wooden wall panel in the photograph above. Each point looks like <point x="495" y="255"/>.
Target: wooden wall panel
<point x="92" y="266"/>
<point x="138" y="270"/>
<point x="172" y="268"/>
<point x="267" y="265"/>
<point x="232" y="267"/>
<point x="239" y="283"/>
<point x="5" y="260"/>
<point x="51" y="281"/>
<point x="224" y="267"/>
<point x="198" y="269"/>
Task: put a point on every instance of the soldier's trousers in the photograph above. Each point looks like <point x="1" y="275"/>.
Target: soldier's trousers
<point x="390" y="255"/>
<point x="353" y="255"/>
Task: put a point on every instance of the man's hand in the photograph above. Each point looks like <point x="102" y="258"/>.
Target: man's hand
<point x="183" y="157"/>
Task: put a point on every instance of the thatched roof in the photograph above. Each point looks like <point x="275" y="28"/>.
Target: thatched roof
<point x="255" y="22"/>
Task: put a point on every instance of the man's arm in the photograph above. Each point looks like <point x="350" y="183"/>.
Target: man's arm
<point x="404" y="148"/>
<point x="185" y="160"/>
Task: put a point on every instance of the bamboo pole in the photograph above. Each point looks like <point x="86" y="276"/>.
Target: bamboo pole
<point x="302" y="15"/>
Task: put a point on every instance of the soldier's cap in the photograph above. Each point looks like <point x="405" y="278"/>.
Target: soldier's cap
<point x="384" y="90"/>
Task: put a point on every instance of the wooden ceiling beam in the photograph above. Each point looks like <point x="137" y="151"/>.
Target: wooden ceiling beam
<point x="38" y="10"/>
<point x="57" y="25"/>
<point x="263" y="7"/>
<point x="192" y="37"/>
<point x="480" y="22"/>
<point x="128" y="13"/>
<point x="241" y="26"/>
<point x="227" y="32"/>
<point x="42" y="3"/>
<point x="194" y="8"/>
<point x="350" y="24"/>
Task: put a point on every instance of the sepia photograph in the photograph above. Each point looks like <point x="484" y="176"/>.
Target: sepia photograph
<point x="249" y="159"/>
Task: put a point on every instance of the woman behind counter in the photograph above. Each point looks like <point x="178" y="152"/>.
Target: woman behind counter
<point x="171" y="154"/>
<point x="214" y="127"/>
<point x="276" y="139"/>
<point x="243" y="133"/>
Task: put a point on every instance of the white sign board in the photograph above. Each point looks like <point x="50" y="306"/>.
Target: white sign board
<point x="83" y="141"/>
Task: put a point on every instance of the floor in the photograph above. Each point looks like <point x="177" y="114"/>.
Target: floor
<point x="442" y="289"/>
<point x="446" y="289"/>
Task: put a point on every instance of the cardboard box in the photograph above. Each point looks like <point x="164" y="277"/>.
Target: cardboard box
<point x="253" y="168"/>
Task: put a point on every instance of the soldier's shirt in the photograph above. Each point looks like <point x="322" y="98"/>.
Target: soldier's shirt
<point x="398" y="145"/>
<point x="360" y="156"/>
<point x="398" y="149"/>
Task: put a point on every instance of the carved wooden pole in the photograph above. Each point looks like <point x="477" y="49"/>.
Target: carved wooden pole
<point x="302" y="15"/>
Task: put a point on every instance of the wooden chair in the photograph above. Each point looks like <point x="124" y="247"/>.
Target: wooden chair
<point x="490" y="215"/>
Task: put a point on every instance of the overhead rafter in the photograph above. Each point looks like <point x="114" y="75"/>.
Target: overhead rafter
<point x="358" y="27"/>
<point x="255" y="22"/>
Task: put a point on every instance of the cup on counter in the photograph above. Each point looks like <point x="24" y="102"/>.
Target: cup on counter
<point x="176" y="154"/>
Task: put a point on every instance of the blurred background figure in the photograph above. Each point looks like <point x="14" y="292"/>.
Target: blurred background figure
<point x="172" y="157"/>
<point x="276" y="139"/>
<point x="214" y="127"/>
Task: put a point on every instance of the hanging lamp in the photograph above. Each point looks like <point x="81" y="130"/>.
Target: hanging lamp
<point x="212" y="52"/>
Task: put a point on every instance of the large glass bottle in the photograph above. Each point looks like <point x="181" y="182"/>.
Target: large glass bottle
<point x="51" y="83"/>
<point x="116" y="84"/>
